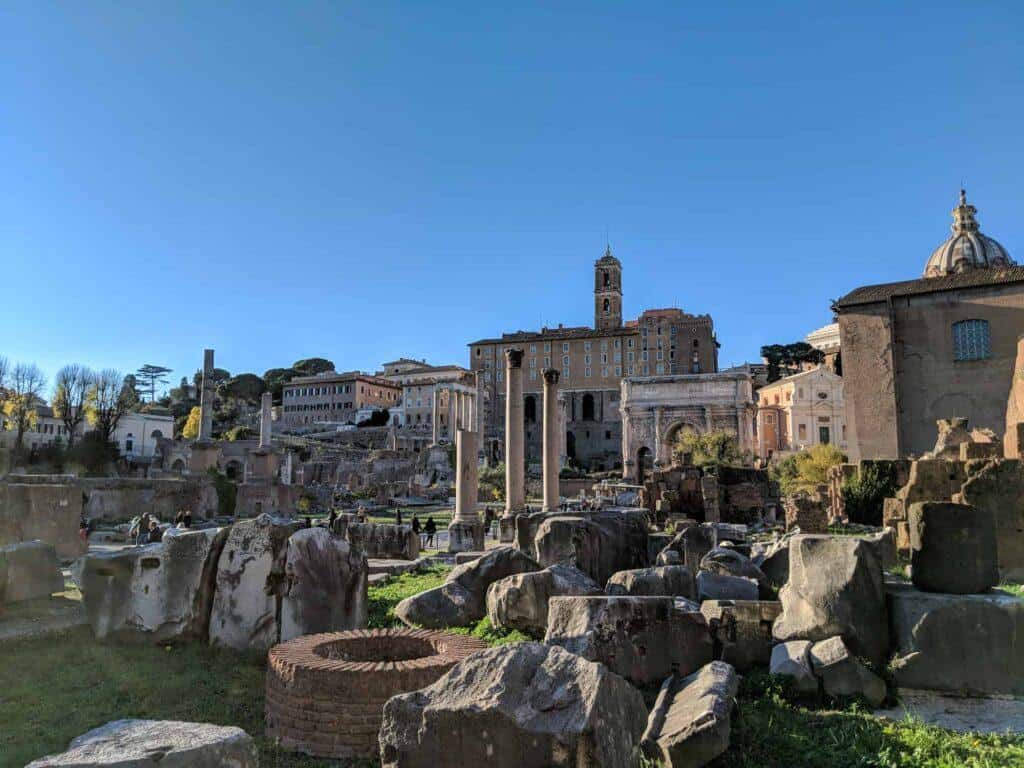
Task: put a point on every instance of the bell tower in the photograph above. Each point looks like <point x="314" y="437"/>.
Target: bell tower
<point x="607" y="291"/>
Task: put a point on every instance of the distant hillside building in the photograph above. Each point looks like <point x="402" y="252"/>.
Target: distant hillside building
<point x="335" y="397"/>
<point x="420" y="384"/>
<point x="940" y="346"/>
<point x="592" y="361"/>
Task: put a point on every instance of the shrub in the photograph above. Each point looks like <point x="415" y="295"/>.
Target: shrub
<point x="93" y="454"/>
<point x="864" y="495"/>
<point x="227" y="492"/>
<point x="492" y="483"/>
<point x="806" y="470"/>
<point x="710" y="449"/>
<point x="239" y="432"/>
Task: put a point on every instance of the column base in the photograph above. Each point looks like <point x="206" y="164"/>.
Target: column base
<point x="466" y="536"/>
<point x="204" y="456"/>
<point x="507" y="528"/>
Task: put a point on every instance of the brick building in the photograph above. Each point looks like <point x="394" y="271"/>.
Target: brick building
<point x="336" y="397"/>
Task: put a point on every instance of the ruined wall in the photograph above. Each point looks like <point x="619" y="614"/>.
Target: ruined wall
<point x="114" y="499"/>
<point x="254" y="499"/>
<point x="48" y="512"/>
<point x="869" y="382"/>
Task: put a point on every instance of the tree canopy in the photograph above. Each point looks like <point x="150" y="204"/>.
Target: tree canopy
<point x="191" y="429"/>
<point x="709" y="449"/>
<point x="312" y="366"/>
<point x="779" y="356"/>
<point x="245" y="386"/>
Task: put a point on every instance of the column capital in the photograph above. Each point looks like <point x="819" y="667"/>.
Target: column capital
<point x="550" y="375"/>
<point x="514" y="358"/>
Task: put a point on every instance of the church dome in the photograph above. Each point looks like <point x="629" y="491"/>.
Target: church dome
<point x="966" y="248"/>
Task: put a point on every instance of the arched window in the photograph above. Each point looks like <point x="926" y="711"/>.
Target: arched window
<point x="588" y="407"/>
<point x="971" y="340"/>
<point x="607" y="306"/>
<point x="530" y="409"/>
<point x="607" y="280"/>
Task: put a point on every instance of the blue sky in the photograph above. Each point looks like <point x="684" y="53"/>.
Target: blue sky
<point x="364" y="181"/>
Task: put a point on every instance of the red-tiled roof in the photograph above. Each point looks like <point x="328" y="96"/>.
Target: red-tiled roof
<point x="975" y="278"/>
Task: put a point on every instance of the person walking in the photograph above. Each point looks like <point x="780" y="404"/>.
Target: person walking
<point x="430" y="529"/>
<point x="398" y="516"/>
<point x="416" y="527"/>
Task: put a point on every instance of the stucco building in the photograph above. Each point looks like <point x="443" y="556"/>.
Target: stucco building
<point x="420" y="386"/>
<point x="801" y="411"/>
<point x="592" y="362"/>
<point x="335" y="397"/>
<point x="940" y="346"/>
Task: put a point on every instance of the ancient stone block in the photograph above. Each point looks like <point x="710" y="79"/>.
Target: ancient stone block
<point x="46" y="512"/>
<point x="967" y="644"/>
<point x="997" y="487"/>
<point x="251" y="583"/>
<point x="806" y="512"/>
<point x="793" y="660"/>
<point x="714" y="586"/>
<point x="692" y="717"/>
<point x="526" y="705"/>
<point x="842" y="675"/>
<point x="32" y="571"/>
<point x="834" y="588"/>
<point x="742" y="630"/>
<point x="144" y="743"/>
<point x="661" y="581"/>
<point x="326" y="580"/>
<point x="521" y="601"/>
<point x="952" y="548"/>
<point x="727" y="561"/>
<point x="644" y="639"/>
<point x="158" y="592"/>
<point x="599" y="544"/>
<point x="397" y="542"/>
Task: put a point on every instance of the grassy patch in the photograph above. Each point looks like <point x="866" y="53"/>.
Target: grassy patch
<point x="383" y="598"/>
<point x="492" y="635"/>
<point x="1014" y="589"/>
<point x="772" y="731"/>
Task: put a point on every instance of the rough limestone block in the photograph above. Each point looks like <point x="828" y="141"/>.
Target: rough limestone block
<point x="952" y="548"/>
<point x="727" y="561"/>
<point x="644" y="639"/>
<point x="521" y="601"/>
<point x="835" y="588"/>
<point x="51" y="513"/>
<point x="968" y="644"/>
<point x="842" y="674"/>
<point x="32" y="571"/>
<point x="251" y="584"/>
<point x="326" y="580"/>
<point x="148" y="743"/>
<point x="713" y="586"/>
<point x="663" y="581"/>
<point x="524" y="705"/>
<point x="692" y="717"/>
<point x="396" y="542"/>
<point x="998" y="487"/>
<point x="599" y="544"/>
<point x="793" y="660"/>
<point x="742" y="630"/>
<point x="158" y="592"/>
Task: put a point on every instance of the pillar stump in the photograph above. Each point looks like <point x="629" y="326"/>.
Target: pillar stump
<point x="466" y="530"/>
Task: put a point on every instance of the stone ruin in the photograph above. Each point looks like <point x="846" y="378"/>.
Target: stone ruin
<point x="728" y="494"/>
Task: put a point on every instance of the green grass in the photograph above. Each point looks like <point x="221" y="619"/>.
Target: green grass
<point x="1016" y="589"/>
<point x="383" y="598"/>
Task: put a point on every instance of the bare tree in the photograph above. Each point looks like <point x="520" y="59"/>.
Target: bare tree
<point x="4" y="368"/>
<point x="106" y="402"/>
<point x="70" y="391"/>
<point x="24" y="387"/>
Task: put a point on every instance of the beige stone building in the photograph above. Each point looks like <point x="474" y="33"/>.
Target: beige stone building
<point x="592" y="362"/>
<point x="936" y="347"/>
<point x="421" y="384"/>
<point x="827" y="341"/>
<point x="801" y="411"/>
<point x="335" y="397"/>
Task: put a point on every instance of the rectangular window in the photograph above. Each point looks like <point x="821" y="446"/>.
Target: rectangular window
<point x="801" y="431"/>
<point x="971" y="340"/>
<point x="586" y="346"/>
<point x="604" y="357"/>
<point x="643" y="355"/>
<point x="565" y="346"/>
<point x="631" y="370"/>
<point x="547" y="362"/>
<point x="533" y="349"/>
<point x="547" y="346"/>
<point x="587" y="360"/>
<point x="660" y="369"/>
<point x="533" y="375"/>
<point x="604" y="372"/>
<point x="565" y="372"/>
<point x="629" y="343"/>
<point x="629" y="357"/>
<point x="586" y="372"/>
<point x="823" y="435"/>
<point x="618" y="370"/>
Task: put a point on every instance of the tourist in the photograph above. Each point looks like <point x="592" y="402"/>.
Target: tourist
<point x="155" y="535"/>
<point x="416" y="526"/>
<point x="430" y="529"/>
<point x="186" y="519"/>
<point x="331" y="518"/>
<point x="398" y="516"/>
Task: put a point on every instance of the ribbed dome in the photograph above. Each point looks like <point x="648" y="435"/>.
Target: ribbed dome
<point x="966" y="248"/>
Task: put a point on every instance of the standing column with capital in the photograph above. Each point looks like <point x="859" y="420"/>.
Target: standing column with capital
<point x="551" y="468"/>
<point x="434" y="411"/>
<point x="515" y="459"/>
<point x="466" y="531"/>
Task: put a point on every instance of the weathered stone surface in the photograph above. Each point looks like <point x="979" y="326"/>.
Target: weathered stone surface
<point x="462" y="599"/>
<point x="32" y="571"/>
<point x="885" y="542"/>
<point x="525" y="705"/>
<point x="842" y="675"/>
<point x="742" y="630"/>
<point x="644" y="639"/>
<point x="774" y="561"/>
<point x="952" y="548"/>
<point x="326" y="580"/>
<point x="691" y="544"/>
<point x="251" y="583"/>
<point x="661" y="581"/>
<point x="835" y="588"/>
<point x="148" y="743"/>
<point x="998" y="487"/>
<point x="521" y="601"/>
<point x="970" y="644"/>
<point x="692" y="717"/>
<point x="712" y="586"/>
<point x="382" y="540"/>
<point x="158" y="592"/>
<point x="793" y="660"/>
<point x="727" y="561"/>
<point x="48" y="512"/>
<point x="526" y="527"/>
<point x="599" y="544"/>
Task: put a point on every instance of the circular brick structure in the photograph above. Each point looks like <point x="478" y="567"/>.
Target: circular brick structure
<point x="326" y="693"/>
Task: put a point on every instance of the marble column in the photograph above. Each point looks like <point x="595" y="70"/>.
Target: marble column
<point x="435" y="432"/>
<point x="466" y="530"/>
<point x="478" y="408"/>
<point x="659" y="450"/>
<point x="266" y="404"/>
<point x="451" y="414"/>
<point x="563" y="448"/>
<point x="551" y="468"/>
<point x="515" y="459"/>
<point x="627" y="453"/>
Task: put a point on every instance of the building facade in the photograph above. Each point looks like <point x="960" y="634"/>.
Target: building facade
<point x="801" y="411"/>
<point x="827" y="341"/>
<point x="592" y="362"/>
<point x="940" y="346"/>
<point x="419" y="381"/>
<point x="656" y="409"/>
<point x="335" y="397"/>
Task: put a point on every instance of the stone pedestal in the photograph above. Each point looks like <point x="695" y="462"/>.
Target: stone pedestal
<point x="466" y="530"/>
<point x="515" y="458"/>
<point x="551" y="463"/>
<point x="204" y="457"/>
<point x="263" y="464"/>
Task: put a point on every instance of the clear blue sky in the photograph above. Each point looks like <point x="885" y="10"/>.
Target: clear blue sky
<point x="364" y="181"/>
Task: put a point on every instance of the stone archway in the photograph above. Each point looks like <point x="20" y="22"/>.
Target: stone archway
<point x="668" y="439"/>
<point x="643" y="464"/>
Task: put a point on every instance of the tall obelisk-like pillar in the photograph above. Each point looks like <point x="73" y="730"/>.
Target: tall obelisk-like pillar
<point x="266" y="415"/>
<point x="551" y="441"/>
<point x="262" y="461"/>
<point x="466" y="530"/>
<point x="204" y="452"/>
<point x="515" y="458"/>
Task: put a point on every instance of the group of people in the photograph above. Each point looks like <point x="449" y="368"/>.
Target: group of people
<point x="145" y="529"/>
<point x="425" y="532"/>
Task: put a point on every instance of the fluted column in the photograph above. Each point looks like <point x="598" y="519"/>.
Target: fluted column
<point x="452" y="414"/>
<point x="551" y="467"/>
<point x="515" y="459"/>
